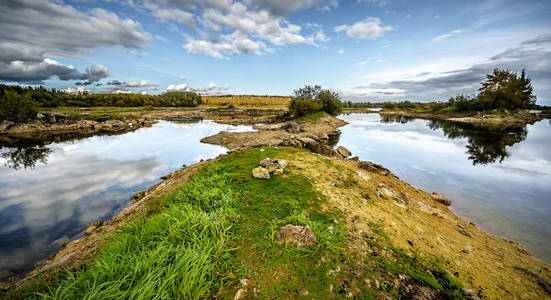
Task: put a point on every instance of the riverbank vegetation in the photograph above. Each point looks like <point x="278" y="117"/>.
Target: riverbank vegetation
<point x="219" y="228"/>
<point x="312" y="99"/>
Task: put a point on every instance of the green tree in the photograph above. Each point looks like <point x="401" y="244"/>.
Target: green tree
<point x="17" y="107"/>
<point x="505" y="89"/>
<point x="311" y="99"/>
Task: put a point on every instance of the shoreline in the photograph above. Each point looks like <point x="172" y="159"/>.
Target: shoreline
<point x="312" y="134"/>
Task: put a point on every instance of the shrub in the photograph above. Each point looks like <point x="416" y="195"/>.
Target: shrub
<point x="16" y="107"/>
<point x="330" y="102"/>
<point x="189" y="99"/>
<point x="310" y="99"/>
<point x="300" y="106"/>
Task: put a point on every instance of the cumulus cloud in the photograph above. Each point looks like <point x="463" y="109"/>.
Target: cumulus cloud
<point x="211" y="89"/>
<point x="532" y="56"/>
<point x="249" y="30"/>
<point x="285" y="7"/>
<point x="36" y="72"/>
<point x="175" y="15"/>
<point x="340" y="51"/>
<point x="369" y="28"/>
<point x="29" y="35"/>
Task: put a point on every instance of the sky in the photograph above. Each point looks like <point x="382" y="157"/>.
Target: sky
<point x="367" y="50"/>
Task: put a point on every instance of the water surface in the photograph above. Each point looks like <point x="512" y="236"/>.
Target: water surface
<point x="498" y="178"/>
<point x="49" y="194"/>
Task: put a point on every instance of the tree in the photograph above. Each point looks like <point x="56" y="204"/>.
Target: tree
<point x="311" y="99"/>
<point x="16" y="107"/>
<point x="505" y="89"/>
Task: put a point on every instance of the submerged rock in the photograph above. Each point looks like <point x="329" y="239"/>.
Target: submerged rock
<point x="441" y="198"/>
<point x="261" y="172"/>
<point x="298" y="236"/>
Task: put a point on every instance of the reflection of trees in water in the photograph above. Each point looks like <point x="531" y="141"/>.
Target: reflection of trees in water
<point x="484" y="144"/>
<point x="25" y="157"/>
<point x="395" y="119"/>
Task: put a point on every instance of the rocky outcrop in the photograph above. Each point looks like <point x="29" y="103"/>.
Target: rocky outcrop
<point x="441" y="198"/>
<point x="297" y="236"/>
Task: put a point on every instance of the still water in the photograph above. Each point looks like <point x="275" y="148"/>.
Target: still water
<point x="49" y="194"/>
<point x="498" y="178"/>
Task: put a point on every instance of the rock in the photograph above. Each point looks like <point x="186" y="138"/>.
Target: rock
<point x="104" y="118"/>
<point x="93" y="227"/>
<point x="274" y="164"/>
<point x="470" y="294"/>
<point x="264" y="163"/>
<point x="4" y="286"/>
<point x="244" y="282"/>
<point x="375" y="168"/>
<point x="278" y="172"/>
<point x="298" y="236"/>
<point x="354" y="158"/>
<point x="304" y="292"/>
<point x="138" y="195"/>
<point x="261" y="172"/>
<point x="463" y="232"/>
<point x="291" y="127"/>
<point x="441" y="198"/>
<point x="343" y="151"/>
<point x="241" y="294"/>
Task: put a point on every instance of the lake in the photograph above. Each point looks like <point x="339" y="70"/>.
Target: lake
<point x="499" y="178"/>
<point x="50" y="194"/>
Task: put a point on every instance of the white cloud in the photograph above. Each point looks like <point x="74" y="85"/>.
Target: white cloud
<point x="161" y="38"/>
<point x="211" y="89"/>
<point x="340" y="51"/>
<point x="28" y="35"/>
<point x="174" y="15"/>
<point x="370" y="28"/>
<point x="447" y="35"/>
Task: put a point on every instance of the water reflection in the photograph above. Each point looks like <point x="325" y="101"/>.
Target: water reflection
<point x="485" y="144"/>
<point x="24" y="157"/>
<point x="497" y="178"/>
<point x="41" y="205"/>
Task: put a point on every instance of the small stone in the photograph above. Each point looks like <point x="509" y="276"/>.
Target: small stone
<point x="278" y="172"/>
<point x="244" y="282"/>
<point x="463" y="232"/>
<point x="241" y="294"/>
<point x="304" y="292"/>
<point x="261" y="150"/>
<point x="470" y="294"/>
<point x="410" y="243"/>
<point x="265" y="162"/>
<point x="331" y="229"/>
<point x="298" y="236"/>
<point x="441" y="198"/>
<point x="261" y="172"/>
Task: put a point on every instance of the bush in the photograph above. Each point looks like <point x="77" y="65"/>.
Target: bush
<point x="189" y="99"/>
<point x="311" y="99"/>
<point x="330" y="102"/>
<point x="300" y="107"/>
<point x="16" y="107"/>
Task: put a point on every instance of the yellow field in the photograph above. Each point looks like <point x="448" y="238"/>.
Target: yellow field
<point x="247" y="101"/>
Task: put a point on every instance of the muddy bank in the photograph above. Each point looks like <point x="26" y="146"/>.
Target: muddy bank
<point x="521" y="118"/>
<point x="46" y="131"/>
<point x="314" y="135"/>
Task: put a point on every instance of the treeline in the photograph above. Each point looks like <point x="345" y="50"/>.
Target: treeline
<point x="502" y="90"/>
<point x="54" y="98"/>
<point x="21" y="104"/>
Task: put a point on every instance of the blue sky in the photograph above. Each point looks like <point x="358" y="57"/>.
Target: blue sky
<point x="368" y="50"/>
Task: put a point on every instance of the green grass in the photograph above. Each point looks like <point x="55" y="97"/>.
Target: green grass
<point x="313" y="117"/>
<point x="220" y="227"/>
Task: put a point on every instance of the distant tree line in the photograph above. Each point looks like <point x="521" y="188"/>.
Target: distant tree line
<point x="502" y="90"/>
<point x="22" y="103"/>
